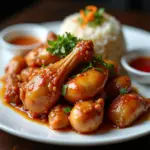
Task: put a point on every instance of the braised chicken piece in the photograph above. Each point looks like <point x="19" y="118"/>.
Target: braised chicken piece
<point x="125" y="109"/>
<point x="40" y="56"/>
<point x="119" y="85"/>
<point x="87" y="116"/>
<point x="27" y="72"/>
<point x="86" y="85"/>
<point x="16" y="65"/>
<point x="44" y="88"/>
<point x="12" y="85"/>
<point x="58" y="117"/>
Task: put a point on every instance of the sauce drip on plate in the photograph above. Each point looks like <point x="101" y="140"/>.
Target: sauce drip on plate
<point x="141" y="64"/>
<point x="24" y="40"/>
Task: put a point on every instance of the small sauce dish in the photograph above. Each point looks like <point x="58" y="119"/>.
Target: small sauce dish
<point x="137" y="64"/>
<point x="20" y="38"/>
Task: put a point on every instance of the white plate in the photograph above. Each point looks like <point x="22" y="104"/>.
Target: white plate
<point x="15" y="124"/>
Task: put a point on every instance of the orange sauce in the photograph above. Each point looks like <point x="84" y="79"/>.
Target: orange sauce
<point x="20" y="110"/>
<point x="106" y="126"/>
<point x="141" y="64"/>
<point x="24" y="40"/>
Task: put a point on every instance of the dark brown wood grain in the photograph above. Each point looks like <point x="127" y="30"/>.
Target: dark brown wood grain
<point x="52" y="10"/>
<point x="10" y="142"/>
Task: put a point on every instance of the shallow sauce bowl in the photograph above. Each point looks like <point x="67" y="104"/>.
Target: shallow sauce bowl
<point x="139" y="76"/>
<point x="25" y="29"/>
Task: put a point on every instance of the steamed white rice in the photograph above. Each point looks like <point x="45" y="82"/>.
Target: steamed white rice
<point x="108" y="38"/>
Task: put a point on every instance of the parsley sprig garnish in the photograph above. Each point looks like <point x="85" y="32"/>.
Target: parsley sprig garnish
<point x="109" y="66"/>
<point x="64" y="89"/>
<point x="90" y="65"/>
<point x="87" y="66"/>
<point x="67" y="109"/>
<point x="123" y="91"/>
<point x="63" y="45"/>
<point x="99" y="60"/>
<point x="94" y="64"/>
<point x="43" y="66"/>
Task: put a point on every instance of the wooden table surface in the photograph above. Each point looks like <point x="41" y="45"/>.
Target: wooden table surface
<point x="50" y="10"/>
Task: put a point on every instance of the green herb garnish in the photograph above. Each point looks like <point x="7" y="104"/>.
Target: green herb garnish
<point x="67" y="110"/>
<point x="63" y="45"/>
<point x="98" y="69"/>
<point x="43" y="66"/>
<point x="103" y="63"/>
<point x="109" y="66"/>
<point x="94" y="63"/>
<point x="87" y="66"/>
<point x="64" y="89"/>
<point x="123" y="91"/>
<point x="90" y="65"/>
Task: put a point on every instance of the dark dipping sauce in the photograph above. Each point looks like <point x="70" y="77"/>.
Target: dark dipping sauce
<point x="141" y="64"/>
<point x="24" y="40"/>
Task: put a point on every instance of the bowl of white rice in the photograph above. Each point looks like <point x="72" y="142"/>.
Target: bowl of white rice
<point x="107" y="36"/>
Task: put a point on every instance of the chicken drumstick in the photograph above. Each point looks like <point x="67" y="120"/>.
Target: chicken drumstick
<point x="43" y="89"/>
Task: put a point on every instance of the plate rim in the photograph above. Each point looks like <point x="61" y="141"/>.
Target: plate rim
<point x="77" y="143"/>
<point x="71" y="143"/>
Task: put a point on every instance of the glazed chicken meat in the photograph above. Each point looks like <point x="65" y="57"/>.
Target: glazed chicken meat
<point x="125" y="109"/>
<point x="43" y="89"/>
<point x="64" y="82"/>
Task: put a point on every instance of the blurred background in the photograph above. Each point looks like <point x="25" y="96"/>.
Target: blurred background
<point x="130" y="12"/>
<point x="9" y="8"/>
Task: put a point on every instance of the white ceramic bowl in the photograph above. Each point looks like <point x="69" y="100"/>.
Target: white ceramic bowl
<point x="139" y="76"/>
<point x="13" y="31"/>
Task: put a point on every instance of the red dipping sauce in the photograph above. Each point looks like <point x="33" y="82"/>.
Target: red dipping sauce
<point x="24" y="40"/>
<point x="141" y="64"/>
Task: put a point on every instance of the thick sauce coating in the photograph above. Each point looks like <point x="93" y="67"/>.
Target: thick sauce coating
<point x="12" y="86"/>
<point x="27" y="72"/>
<point x="87" y="116"/>
<point x="58" y="117"/>
<point x="125" y="109"/>
<point x="85" y="85"/>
